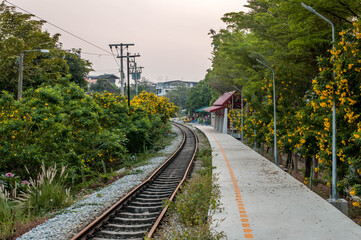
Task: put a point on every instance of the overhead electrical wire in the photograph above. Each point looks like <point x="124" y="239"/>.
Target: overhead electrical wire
<point x="62" y="29"/>
<point x="97" y="54"/>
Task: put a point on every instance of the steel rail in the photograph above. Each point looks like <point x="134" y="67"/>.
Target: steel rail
<point x="162" y="214"/>
<point x="89" y="229"/>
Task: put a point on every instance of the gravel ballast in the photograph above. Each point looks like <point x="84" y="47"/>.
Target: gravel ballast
<point x="73" y="219"/>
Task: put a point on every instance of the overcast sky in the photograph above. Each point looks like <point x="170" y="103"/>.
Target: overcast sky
<point x="170" y="35"/>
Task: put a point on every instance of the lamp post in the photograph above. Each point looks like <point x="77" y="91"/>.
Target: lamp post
<point x="334" y="160"/>
<point x="21" y="69"/>
<point x="274" y="110"/>
<point x="242" y="138"/>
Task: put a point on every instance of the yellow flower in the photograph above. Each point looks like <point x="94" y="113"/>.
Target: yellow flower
<point x="356" y="135"/>
<point x="316" y="169"/>
<point x="329" y="184"/>
<point x="356" y="204"/>
<point x="353" y="193"/>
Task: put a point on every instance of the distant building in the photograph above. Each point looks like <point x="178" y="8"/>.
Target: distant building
<point x="110" y="77"/>
<point x="163" y="87"/>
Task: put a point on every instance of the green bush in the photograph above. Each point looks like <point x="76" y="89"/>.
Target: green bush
<point x="59" y="124"/>
<point x="62" y="124"/>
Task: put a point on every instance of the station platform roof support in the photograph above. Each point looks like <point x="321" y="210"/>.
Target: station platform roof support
<point x="221" y="107"/>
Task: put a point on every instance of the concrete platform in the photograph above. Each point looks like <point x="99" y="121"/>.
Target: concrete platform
<point x="263" y="202"/>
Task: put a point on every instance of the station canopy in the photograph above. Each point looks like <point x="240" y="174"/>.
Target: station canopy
<point x="227" y="100"/>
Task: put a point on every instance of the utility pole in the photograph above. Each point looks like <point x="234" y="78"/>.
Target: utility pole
<point x="136" y="71"/>
<point x="20" y="83"/>
<point x="128" y="73"/>
<point x="121" y="56"/>
<point x="21" y="69"/>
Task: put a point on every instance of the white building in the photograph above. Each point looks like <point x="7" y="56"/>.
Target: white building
<point x="162" y="88"/>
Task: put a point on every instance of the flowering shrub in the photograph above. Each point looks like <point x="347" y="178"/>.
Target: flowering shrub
<point x="345" y="91"/>
<point x="12" y="185"/>
<point x="62" y="124"/>
<point x="154" y="105"/>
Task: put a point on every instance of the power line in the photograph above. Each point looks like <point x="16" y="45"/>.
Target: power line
<point x="97" y="54"/>
<point x="62" y="29"/>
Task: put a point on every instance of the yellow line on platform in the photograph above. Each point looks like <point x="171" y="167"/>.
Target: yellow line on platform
<point x="244" y="219"/>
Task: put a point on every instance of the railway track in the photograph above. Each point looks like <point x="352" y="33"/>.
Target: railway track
<point x="142" y="209"/>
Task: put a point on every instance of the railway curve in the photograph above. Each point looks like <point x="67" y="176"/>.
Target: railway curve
<point x="141" y="210"/>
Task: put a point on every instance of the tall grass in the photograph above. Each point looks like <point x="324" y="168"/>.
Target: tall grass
<point x="9" y="214"/>
<point x="47" y="192"/>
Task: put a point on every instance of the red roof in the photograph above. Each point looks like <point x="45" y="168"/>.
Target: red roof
<point x="223" y="99"/>
<point x="213" y="108"/>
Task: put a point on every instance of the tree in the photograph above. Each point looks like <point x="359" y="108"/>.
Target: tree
<point x="178" y="96"/>
<point x="19" y="32"/>
<point x="295" y="43"/>
<point x="145" y="85"/>
<point x="103" y="85"/>
<point x="199" y="96"/>
<point x="78" y="68"/>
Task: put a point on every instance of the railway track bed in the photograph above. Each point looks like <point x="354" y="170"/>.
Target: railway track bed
<point x="142" y="209"/>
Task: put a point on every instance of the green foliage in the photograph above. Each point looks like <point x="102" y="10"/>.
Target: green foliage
<point x="19" y="32"/>
<point x="191" y="207"/>
<point x="296" y="44"/>
<point x="9" y="215"/>
<point x="78" y="67"/>
<point x="179" y="96"/>
<point x="199" y="96"/>
<point x="54" y="125"/>
<point x="61" y="124"/>
<point x="103" y="85"/>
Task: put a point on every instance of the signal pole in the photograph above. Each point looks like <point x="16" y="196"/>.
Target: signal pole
<point x="121" y="56"/>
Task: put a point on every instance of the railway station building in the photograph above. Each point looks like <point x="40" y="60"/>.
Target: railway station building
<point x="221" y="108"/>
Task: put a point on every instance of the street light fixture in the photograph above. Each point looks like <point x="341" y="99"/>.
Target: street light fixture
<point x="334" y="160"/>
<point x="274" y="110"/>
<point x="21" y="63"/>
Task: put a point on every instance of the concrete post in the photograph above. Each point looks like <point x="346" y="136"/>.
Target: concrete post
<point x="219" y="123"/>
<point x="225" y="121"/>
